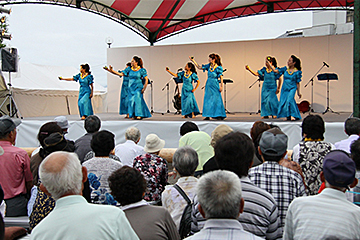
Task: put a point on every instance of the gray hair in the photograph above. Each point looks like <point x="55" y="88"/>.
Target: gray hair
<point x="219" y="194"/>
<point x="92" y="124"/>
<point x="185" y="161"/>
<point x="61" y="174"/>
<point x="133" y="134"/>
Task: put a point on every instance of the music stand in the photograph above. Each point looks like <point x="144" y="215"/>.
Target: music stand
<point x="327" y="77"/>
<point x="261" y="78"/>
<point x="225" y="81"/>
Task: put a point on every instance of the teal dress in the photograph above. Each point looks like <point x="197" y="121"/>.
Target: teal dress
<point x="288" y="106"/>
<point x="188" y="101"/>
<point x="213" y="104"/>
<point x="84" y="102"/>
<point x="269" y="100"/>
<point x="136" y="105"/>
<point x="124" y="95"/>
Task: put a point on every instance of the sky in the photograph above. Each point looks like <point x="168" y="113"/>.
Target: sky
<point x="62" y="36"/>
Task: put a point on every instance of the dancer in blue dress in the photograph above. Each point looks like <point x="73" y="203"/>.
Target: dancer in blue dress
<point x="269" y="100"/>
<point x="213" y="104"/>
<point x="86" y="91"/>
<point x="124" y="94"/>
<point x="137" y="107"/>
<point x="292" y="78"/>
<point x="189" y="107"/>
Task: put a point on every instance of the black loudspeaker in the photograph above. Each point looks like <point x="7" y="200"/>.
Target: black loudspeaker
<point x="9" y="60"/>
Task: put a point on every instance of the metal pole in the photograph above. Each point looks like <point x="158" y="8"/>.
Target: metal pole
<point x="356" y="73"/>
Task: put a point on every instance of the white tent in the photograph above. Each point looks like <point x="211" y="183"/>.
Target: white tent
<point x="38" y="91"/>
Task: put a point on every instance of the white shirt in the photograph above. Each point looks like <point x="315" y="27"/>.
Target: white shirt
<point x="345" y="144"/>
<point x="128" y="151"/>
<point x="327" y="215"/>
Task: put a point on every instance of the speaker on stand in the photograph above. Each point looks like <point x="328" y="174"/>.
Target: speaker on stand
<point x="9" y="63"/>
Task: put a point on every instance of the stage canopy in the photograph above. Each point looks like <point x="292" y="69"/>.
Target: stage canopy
<point x="155" y="20"/>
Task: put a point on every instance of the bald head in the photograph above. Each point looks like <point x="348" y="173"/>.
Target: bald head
<point x="61" y="174"/>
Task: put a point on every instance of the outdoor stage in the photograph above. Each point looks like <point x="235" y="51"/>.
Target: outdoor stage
<point x="167" y="126"/>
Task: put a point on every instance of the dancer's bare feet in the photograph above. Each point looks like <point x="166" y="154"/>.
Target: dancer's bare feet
<point x="127" y="116"/>
<point x="83" y="118"/>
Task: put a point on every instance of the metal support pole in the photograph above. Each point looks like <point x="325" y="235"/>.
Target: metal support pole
<point x="356" y="73"/>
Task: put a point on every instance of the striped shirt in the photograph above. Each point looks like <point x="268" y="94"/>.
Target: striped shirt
<point x="260" y="215"/>
<point x="281" y="182"/>
<point x="327" y="215"/>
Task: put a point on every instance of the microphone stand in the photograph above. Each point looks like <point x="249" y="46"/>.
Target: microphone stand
<point x="168" y="94"/>
<point x="259" y="109"/>
<point x="312" y="89"/>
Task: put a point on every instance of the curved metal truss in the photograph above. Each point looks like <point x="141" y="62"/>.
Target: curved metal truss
<point x="180" y="25"/>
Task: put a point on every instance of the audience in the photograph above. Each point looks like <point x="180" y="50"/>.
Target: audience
<point x="62" y="177"/>
<point x="352" y="129"/>
<point x="15" y="174"/>
<point x="234" y="152"/>
<point x="327" y="215"/>
<point x="355" y="155"/>
<point x="130" y="149"/>
<point x="255" y="132"/>
<point x="198" y="140"/>
<point x="149" y="222"/>
<point x="185" y="161"/>
<point x="284" y="184"/>
<point x="217" y="134"/>
<point x="101" y="166"/>
<point x="310" y="152"/>
<point x="92" y="124"/>
<point x="154" y="168"/>
<point x="63" y="123"/>
<point x="220" y="202"/>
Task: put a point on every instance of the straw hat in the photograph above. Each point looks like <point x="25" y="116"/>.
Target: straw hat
<point x="153" y="143"/>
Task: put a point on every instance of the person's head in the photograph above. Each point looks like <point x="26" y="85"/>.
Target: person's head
<point x="190" y="67"/>
<point x="61" y="174"/>
<point x="215" y="59"/>
<point x="102" y="143"/>
<point x="56" y="142"/>
<point x="352" y="126"/>
<point x="294" y="62"/>
<point x="188" y="127"/>
<point x="47" y="129"/>
<point x="355" y="153"/>
<point x="128" y="64"/>
<point x="234" y="152"/>
<point x="313" y="127"/>
<point x="92" y="124"/>
<point x="8" y="128"/>
<point x="257" y="128"/>
<point x="137" y="62"/>
<point x="219" y="194"/>
<point x="153" y="144"/>
<point x="272" y="61"/>
<point x="133" y="134"/>
<point x="273" y="145"/>
<point x="127" y="185"/>
<point x="338" y="171"/>
<point x="63" y="123"/>
<point x="219" y="132"/>
<point x="85" y="68"/>
<point x="185" y="161"/>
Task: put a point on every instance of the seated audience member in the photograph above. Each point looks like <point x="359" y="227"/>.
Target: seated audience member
<point x="130" y="149"/>
<point x="310" y="152"/>
<point x="63" y="123"/>
<point x="44" y="204"/>
<point x="352" y="129"/>
<point x="92" y="125"/>
<point x="153" y="167"/>
<point x="327" y="215"/>
<point x="15" y="174"/>
<point x="217" y="134"/>
<point x="198" y="140"/>
<point x="221" y="202"/>
<point x="185" y="161"/>
<point x="284" y="184"/>
<point x="62" y="177"/>
<point x="101" y="166"/>
<point x="255" y="132"/>
<point x="234" y="152"/>
<point x="149" y="222"/>
<point x="355" y="155"/>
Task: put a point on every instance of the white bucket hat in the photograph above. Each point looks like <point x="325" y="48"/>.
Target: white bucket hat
<point x="153" y="143"/>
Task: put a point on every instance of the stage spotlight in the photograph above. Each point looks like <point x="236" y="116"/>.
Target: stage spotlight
<point x="5" y="10"/>
<point x="3" y="19"/>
